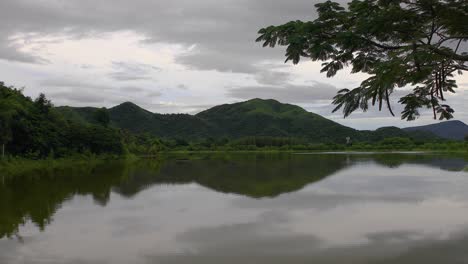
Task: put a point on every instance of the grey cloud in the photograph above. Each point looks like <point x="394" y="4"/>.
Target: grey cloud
<point x="127" y="71"/>
<point x="124" y="76"/>
<point x="137" y="89"/>
<point x="72" y="97"/>
<point x="11" y="53"/>
<point x="223" y="30"/>
<point x="133" y="89"/>
<point x="216" y="60"/>
<point x="154" y="94"/>
<point x="84" y="93"/>
<point x="391" y="237"/>
<point x="288" y="93"/>
<point x="72" y="83"/>
<point x="273" y="77"/>
<point x="169" y="108"/>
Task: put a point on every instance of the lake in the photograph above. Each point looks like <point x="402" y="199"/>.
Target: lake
<point x="241" y="208"/>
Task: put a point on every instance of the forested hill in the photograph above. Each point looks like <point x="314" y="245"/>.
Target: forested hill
<point x="259" y="117"/>
<point x="450" y="129"/>
<point x="256" y="117"/>
<point x="135" y="119"/>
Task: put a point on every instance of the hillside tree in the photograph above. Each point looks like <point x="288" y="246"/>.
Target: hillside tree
<point x="5" y="128"/>
<point x="7" y="112"/>
<point x="417" y="46"/>
<point x="102" y="116"/>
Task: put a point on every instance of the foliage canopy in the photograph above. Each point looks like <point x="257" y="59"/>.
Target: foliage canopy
<point x="399" y="43"/>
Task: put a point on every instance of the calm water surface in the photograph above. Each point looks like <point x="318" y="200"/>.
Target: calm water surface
<point x="241" y="208"/>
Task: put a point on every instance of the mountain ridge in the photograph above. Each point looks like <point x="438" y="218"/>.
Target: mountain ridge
<point x="452" y="129"/>
<point x="255" y="117"/>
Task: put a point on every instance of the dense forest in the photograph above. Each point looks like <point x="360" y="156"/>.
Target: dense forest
<point x="35" y="129"/>
<point x="253" y="118"/>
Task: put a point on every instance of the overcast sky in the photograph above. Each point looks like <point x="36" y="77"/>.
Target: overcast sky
<point x="170" y="56"/>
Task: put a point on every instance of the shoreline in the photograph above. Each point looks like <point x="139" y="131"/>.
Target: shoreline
<point x="18" y="166"/>
<point x="417" y="151"/>
<point x="11" y="167"/>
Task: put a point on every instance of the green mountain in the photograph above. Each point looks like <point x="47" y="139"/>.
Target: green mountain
<point x="256" y="117"/>
<point x="259" y="117"/>
<point x="135" y="119"/>
<point x="453" y="129"/>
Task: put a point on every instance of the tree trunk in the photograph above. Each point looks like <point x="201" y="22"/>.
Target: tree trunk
<point x="3" y="150"/>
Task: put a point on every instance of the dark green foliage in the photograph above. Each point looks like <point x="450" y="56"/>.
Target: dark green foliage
<point x="102" y="116"/>
<point x="131" y="117"/>
<point x="399" y="43"/>
<point x="95" y="139"/>
<point x="257" y="117"/>
<point x="254" y="119"/>
<point x="35" y="129"/>
<point x="143" y="144"/>
<point x="43" y="104"/>
<point x="7" y="112"/>
<point x="270" y="118"/>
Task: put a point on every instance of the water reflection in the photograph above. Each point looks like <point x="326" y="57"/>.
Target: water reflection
<point x="256" y="208"/>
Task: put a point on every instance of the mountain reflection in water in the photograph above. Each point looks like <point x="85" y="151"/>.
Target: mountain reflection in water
<point x="262" y="180"/>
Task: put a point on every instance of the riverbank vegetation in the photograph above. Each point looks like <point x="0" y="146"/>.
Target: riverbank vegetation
<point x="291" y="144"/>
<point x="12" y="166"/>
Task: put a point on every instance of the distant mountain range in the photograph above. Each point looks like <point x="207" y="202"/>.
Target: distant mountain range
<point x="455" y="129"/>
<point x="256" y="117"/>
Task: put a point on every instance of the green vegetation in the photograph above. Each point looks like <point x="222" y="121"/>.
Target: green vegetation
<point x="453" y="129"/>
<point x="11" y="166"/>
<point x="259" y="117"/>
<point x="34" y="129"/>
<point x="231" y="122"/>
<point x="297" y="144"/>
<point x="401" y="43"/>
<point x="102" y="116"/>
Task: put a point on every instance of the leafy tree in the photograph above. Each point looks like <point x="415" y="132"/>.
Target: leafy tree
<point x="7" y="112"/>
<point x="5" y="128"/>
<point x="466" y="137"/>
<point x="398" y="43"/>
<point x="102" y="116"/>
<point x="43" y="104"/>
<point x="34" y="129"/>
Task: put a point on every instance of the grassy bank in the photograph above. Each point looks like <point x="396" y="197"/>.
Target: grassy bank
<point x="443" y="149"/>
<point x="14" y="166"/>
<point x="386" y="145"/>
<point x="268" y="150"/>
